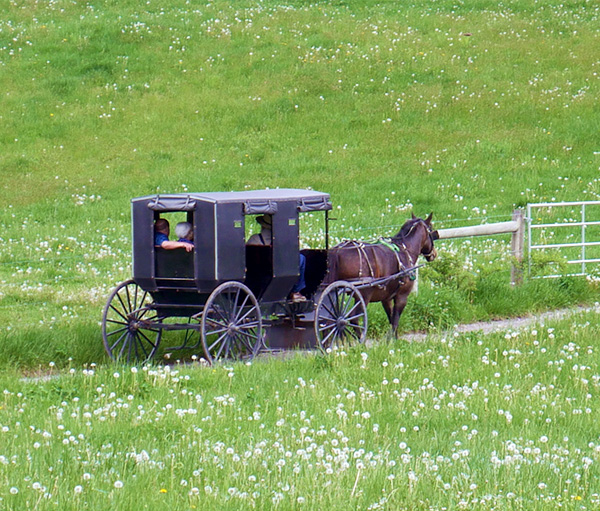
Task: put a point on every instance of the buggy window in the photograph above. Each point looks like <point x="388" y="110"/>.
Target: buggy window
<point x="175" y="263"/>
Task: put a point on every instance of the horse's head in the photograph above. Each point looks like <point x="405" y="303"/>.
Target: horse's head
<point x="428" y="249"/>
<point x="418" y="234"/>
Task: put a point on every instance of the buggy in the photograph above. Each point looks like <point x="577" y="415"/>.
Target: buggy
<point x="230" y="298"/>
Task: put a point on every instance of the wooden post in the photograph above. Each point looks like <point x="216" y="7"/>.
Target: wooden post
<point x="516" y="227"/>
<point x="517" y="243"/>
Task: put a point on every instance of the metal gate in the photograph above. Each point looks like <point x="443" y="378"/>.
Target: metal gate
<point x="561" y="236"/>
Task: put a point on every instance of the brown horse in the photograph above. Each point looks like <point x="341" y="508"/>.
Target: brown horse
<point x="355" y="260"/>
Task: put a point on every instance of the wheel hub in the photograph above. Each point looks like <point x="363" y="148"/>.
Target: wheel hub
<point x="341" y="323"/>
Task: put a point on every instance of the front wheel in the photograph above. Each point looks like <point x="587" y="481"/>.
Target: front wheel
<point x="340" y="316"/>
<point x="130" y="326"/>
<point x="231" y="323"/>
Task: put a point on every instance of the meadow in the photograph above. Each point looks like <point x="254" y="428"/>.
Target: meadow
<point x="464" y="109"/>
<point x="403" y="426"/>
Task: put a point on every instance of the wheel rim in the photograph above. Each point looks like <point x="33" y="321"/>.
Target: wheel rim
<point x="130" y="326"/>
<point x="231" y="323"/>
<point x="341" y="316"/>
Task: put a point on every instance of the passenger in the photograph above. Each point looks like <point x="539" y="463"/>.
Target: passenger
<point x="161" y="237"/>
<point x="185" y="232"/>
<point x="264" y="237"/>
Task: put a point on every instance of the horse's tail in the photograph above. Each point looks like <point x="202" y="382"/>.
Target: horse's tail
<point x="333" y="259"/>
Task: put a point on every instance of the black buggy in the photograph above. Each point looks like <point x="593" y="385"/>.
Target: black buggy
<point x="229" y="297"/>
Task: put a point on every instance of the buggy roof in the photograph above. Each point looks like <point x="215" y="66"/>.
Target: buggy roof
<point x="253" y="201"/>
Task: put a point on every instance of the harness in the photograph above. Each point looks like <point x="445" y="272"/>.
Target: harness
<point x="396" y="251"/>
<point x="360" y="248"/>
<point x="394" y="244"/>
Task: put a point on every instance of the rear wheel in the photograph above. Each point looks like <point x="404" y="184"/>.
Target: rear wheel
<point x="340" y="316"/>
<point x="130" y="326"/>
<point x="231" y="323"/>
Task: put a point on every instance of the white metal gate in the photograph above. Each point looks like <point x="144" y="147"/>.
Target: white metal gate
<point x="566" y="233"/>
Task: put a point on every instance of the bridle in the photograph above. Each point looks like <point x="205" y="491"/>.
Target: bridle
<point x="433" y="235"/>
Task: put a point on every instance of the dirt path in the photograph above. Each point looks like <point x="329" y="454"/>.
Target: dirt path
<point x="501" y="325"/>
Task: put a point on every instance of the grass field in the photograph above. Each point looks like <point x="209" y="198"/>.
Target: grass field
<point x="466" y="109"/>
<point x="506" y="422"/>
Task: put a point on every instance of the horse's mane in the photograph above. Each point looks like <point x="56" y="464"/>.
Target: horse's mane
<point x="406" y="228"/>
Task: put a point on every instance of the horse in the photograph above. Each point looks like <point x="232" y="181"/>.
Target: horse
<point x="375" y="261"/>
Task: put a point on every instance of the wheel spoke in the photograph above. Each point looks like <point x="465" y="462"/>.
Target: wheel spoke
<point x="117" y="342"/>
<point x="135" y="294"/>
<point x="342" y="302"/>
<point x="223" y="344"/>
<point x="245" y="342"/>
<point x="221" y="337"/>
<point x="117" y="322"/>
<point x="217" y="310"/>
<point x="119" y="312"/>
<point x="149" y="329"/>
<point x="144" y="311"/>
<point x="218" y="331"/>
<point x="128" y="298"/>
<point x="331" y="312"/>
<point x="324" y="341"/>
<point x="249" y="325"/>
<point x="225" y="304"/>
<point x="147" y="339"/>
<point x="216" y="322"/>
<point x="327" y="327"/>
<point x="126" y="343"/>
<point x="135" y="348"/>
<point x="138" y="342"/>
<point x="356" y="304"/>
<point x="350" y="332"/>
<point x="234" y="302"/>
<point x="359" y="315"/>
<point x="240" y="309"/>
<point x="250" y="311"/>
<point x="335" y="303"/>
<point x="142" y="301"/>
<point x="228" y="348"/>
<point x="249" y="335"/>
<point x="118" y="330"/>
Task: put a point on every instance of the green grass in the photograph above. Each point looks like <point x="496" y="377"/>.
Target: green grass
<point x="467" y="110"/>
<point x="505" y="421"/>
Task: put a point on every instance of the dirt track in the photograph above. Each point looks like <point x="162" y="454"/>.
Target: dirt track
<point x="487" y="327"/>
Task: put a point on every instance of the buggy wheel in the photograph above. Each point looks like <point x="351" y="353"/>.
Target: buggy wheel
<point x="340" y="316"/>
<point x="231" y="323"/>
<point x="131" y="328"/>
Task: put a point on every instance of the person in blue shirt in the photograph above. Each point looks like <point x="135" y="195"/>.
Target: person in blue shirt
<point x="265" y="237"/>
<point x="161" y="237"/>
<point x="185" y="232"/>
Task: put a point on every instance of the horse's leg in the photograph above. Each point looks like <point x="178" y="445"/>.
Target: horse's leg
<point x="387" y="307"/>
<point x="399" y="304"/>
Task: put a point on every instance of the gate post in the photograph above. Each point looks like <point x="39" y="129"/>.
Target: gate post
<point x="517" y="243"/>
